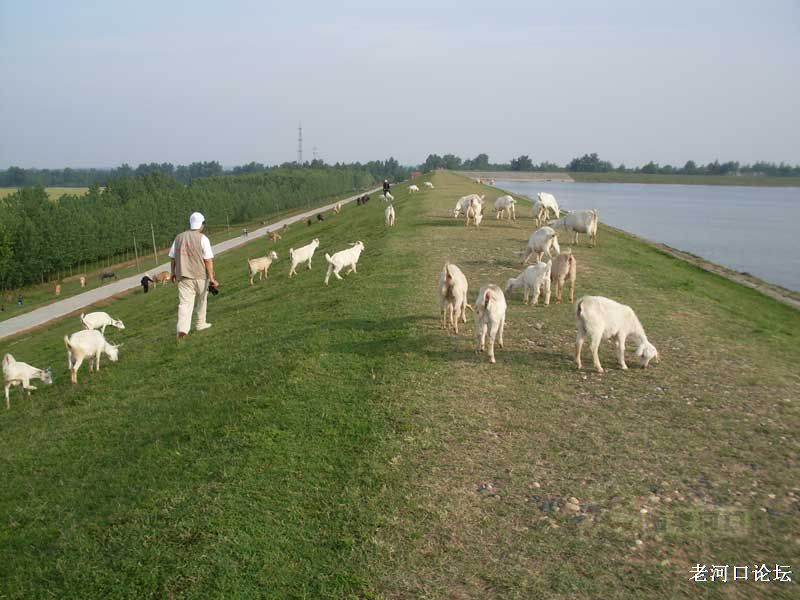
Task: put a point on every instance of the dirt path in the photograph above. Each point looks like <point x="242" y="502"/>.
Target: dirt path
<point x="56" y="310"/>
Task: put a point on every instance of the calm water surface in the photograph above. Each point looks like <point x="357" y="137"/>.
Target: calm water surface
<point x="750" y="229"/>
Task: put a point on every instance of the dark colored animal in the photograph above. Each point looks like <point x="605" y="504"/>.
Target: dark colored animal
<point x="145" y="283"/>
<point x="107" y="275"/>
<point x="320" y="217"/>
<point x="309" y="222"/>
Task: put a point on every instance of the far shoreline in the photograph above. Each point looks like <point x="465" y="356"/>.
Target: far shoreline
<point x="658" y="179"/>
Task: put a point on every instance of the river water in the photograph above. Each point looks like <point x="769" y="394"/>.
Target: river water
<point x="749" y="229"/>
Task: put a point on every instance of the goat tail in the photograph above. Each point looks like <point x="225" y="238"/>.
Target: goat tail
<point x="579" y="308"/>
<point x="84" y="322"/>
<point x="69" y="352"/>
<point x="486" y="297"/>
<point x="291" y="252"/>
<point x="328" y="258"/>
<point x="8" y="360"/>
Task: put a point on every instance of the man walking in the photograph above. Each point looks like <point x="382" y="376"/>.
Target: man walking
<point x="193" y="268"/>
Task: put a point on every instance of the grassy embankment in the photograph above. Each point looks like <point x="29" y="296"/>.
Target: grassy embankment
<point x="745" y="180"/>
<point x="334" y="442"/>
<point x="35" y="296"/>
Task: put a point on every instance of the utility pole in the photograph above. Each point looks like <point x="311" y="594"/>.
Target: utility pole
<point x="299" y="144"/>
<point x="228" y="220"/>
<point x="155" y="252"/>
<point x="136" y="251"/>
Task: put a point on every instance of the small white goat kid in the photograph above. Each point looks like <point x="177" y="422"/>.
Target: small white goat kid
<point x="413" y="188"/>
<point x="474" y="212"/>
<point x="428" y="184"/>
<point x="387" y="197"/>
<point x="87" y="344"/>
<point x="542" y="241"/>
<point x="539" y="212"/>
<point x="20" y="373"/>
<point x="490" y="317"/>
<point x="302" y="255"/>
<point x="599" y="319"/>
<point x="453" y="290"/>
<point x="344" y="258"/>
<point x="100" y="320"/>
<point x="534" y="278"/>
<point x="389" y="214"/>
<point x="261" y="266"/>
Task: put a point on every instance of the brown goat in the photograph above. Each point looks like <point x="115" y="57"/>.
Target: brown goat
<point x="564" y="265"/>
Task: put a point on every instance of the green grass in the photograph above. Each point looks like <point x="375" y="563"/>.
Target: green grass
<point x="336" y="443"/>
<point x="747" y="180"/>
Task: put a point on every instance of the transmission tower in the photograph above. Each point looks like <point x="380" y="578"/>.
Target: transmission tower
<point x="300" y="144"/>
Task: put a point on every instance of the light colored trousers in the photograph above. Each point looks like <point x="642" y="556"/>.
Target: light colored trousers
<point x="188" y="290"/>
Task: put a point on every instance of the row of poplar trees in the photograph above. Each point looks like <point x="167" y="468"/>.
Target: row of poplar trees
<point x="42" y="239"/>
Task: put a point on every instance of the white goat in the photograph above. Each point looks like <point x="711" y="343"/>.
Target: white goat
<point x="100" y="320"/>
<point x="464" y="202"/>
<point x="503" y="204"/>
<point x="302" y="255"/>
<point x="539" y="212"/>
<point x="549" y="202"/>
<point x="344" y="258"/>
<point x="453" y="290"/>
<point x="599" y="319"/>
<point x="413" y="188"/>
<point x="564" y="265"/>
<point x="337" y="208"/>
<point x="389" y="214"/>
<point x="490" y="316"/>
<point x="20" y="373"/>
<point x="428" y="184"/>
<point x="535" y="277"/>
<point x="542" y="241"/>
<point x="387" y="197"/>
<point x="87" y="344"/>
<point x="474" y="212"/>
<point x="579" y="221"/>
<point x="261" y="266"/>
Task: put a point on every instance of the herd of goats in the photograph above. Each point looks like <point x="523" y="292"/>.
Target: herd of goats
<point x="597" y="318"/>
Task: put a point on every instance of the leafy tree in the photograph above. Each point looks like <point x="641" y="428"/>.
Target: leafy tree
<point x="522" y="163"/>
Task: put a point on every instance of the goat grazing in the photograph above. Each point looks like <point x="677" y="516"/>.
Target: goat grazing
<point x="564" y="265"/>
<point x="579" y="221"/>
<point x="463" y="204"/>
<point x="87" y="344"/>
<point x="413" y="188"/>
<point x="474" y="212"/>
<point x="274" y="236"/>
<point x="536" y="278"/>
<point x="107" y="275"/>
<point x="337" y="208"/>
<point x="20" y="373"/>
<point x="429" y="185"/>
<point x="490" y="317"/>
<point x="163" y="278"/>
<point x="539" y="212"/>
<point x="453" y="290"/>
<point x="503" y="204"/>
<point x="302" y="255"/>
<point x="261" y="266"/>
<point x="100" y="320"/>
<point x="389" y="214"/>
<point x="344" y="258"/>
<point x="599" y="319"/>
<point x="549" y="202"/>
<point x="542" y="241"/>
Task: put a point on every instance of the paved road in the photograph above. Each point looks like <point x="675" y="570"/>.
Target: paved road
<point x="62" y="308"/>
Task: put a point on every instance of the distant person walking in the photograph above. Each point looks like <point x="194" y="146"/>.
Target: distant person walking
<point x="244" y="231"/>
<point x="192" y="267"/>
<point x="386" y="186"/>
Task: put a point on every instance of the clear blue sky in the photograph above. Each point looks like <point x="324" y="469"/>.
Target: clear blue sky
<point x="102" y="83"/>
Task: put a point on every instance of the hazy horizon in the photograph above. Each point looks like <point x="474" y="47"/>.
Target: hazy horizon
<point x="95" y="86"/>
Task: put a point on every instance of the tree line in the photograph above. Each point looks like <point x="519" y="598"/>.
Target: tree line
<point x="67" y="177"/>
<point x="41" y="239"/>
<point x="592" y="163"/>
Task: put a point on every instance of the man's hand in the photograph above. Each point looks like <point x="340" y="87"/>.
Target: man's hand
<point x="213" y="282"/>
<point x="173" y="278"/>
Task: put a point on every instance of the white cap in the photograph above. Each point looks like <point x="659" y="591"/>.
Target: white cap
<point x="196" y="220"/>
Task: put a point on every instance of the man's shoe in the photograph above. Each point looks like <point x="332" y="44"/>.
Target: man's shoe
<point x="203" y="326"/>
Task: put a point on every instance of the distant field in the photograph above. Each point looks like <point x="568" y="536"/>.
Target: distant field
<point x="54" y="192"/>
<point x="751" y="180"/>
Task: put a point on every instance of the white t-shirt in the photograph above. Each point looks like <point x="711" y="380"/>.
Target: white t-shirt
<point x="205" y="246"/>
